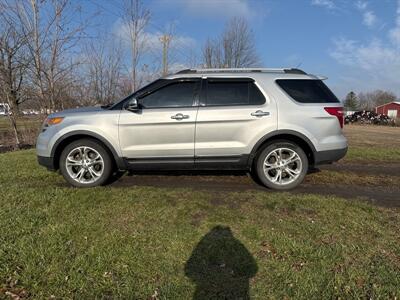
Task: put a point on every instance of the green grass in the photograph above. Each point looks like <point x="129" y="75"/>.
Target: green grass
<point x="373" y="154"/>
<point x="23" y="123"/>
<point x="136" y="242"/>
<point x="352" y="178"/>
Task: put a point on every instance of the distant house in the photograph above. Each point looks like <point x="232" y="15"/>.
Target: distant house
<point x="391" y="109"/>
<point x="348" y="112"/>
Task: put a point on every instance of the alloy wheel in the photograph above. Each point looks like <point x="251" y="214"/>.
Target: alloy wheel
<point x="84" y="165"/>
<point x="282" y="166"/>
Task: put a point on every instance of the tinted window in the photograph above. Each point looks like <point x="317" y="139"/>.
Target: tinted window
<point x="307" y="90"/>
<point x="178" y="94"/>
<point x="233" y="93"/>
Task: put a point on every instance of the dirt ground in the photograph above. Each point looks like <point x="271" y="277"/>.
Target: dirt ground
<point x="358" y="136"/>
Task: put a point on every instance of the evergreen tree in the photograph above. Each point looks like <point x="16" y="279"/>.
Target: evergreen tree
<point x="351" y="101"/>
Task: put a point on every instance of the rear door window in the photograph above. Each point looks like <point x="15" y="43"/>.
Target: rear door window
<point x="230" y="92"/>
<point x="307" y="90"/>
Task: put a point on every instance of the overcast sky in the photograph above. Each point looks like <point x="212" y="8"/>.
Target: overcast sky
<point x="354" y="43"/>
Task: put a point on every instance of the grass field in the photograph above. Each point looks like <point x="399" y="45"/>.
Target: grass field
<point x="23" y="123"/>
<point x="373" y="143"/>
<point x="28" y="127"/>
<point x="138" y="242"/>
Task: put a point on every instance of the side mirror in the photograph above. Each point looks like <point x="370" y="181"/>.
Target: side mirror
<point x="132" y="105"/>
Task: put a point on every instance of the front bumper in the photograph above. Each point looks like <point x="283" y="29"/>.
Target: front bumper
<point x="47" y="162"/>
<point x="329" y="156"/>
<point x="43" y="149"/>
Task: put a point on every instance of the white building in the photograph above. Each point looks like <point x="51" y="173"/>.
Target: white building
<point x="4" y="109"/>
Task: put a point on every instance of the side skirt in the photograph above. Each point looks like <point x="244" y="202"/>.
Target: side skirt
<point x="237" y="162"/>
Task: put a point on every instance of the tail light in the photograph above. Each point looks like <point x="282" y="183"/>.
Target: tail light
<point x="337" y="112"/>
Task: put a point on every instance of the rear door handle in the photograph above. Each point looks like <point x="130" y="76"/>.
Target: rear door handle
<point x="179" y="117"/>
<point x="260" y="113"/>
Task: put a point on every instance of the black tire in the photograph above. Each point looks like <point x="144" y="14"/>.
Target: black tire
<point x="254" y="176"/>
<point x="107" y="162"/>
<point x="259" y="165"/>
<point x="115" y="176"/>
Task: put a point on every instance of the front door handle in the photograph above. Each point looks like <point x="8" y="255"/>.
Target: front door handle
<point x="179" y="117"/>
<point x="260" y="113"/>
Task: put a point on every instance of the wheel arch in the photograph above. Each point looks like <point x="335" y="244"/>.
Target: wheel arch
<point x="300" y="139"/>
<point x="60" y="144"/>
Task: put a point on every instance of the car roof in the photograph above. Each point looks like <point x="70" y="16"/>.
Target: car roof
<point x="244" y="72"/>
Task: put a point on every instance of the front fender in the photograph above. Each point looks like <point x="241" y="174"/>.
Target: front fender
<point x="109" y="142"/>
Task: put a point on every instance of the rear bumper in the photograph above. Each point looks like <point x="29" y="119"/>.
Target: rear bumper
<point x="329" y="156"/>
<point x="47" y="162"/>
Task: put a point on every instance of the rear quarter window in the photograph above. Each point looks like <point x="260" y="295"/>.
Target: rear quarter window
<point x="307" y="90"/>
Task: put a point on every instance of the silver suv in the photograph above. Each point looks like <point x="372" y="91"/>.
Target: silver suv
<point x="274" y="123"/>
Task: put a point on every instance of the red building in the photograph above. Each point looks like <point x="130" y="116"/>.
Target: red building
<point x="391" y="109"/>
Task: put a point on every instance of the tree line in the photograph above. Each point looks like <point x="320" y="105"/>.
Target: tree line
<point x="367" y="101"/>
<point x="51" y="57"/>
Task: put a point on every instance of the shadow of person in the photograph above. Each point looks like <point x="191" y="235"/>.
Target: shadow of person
<point x="220" y="266"/>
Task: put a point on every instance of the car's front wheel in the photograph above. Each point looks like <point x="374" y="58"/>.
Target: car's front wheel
<point x="85" y="163"/>
<point x="281" y="165"/>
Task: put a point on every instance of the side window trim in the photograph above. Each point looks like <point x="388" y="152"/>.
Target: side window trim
<point x="195" y="98"/>
<point x="204" y="90"/>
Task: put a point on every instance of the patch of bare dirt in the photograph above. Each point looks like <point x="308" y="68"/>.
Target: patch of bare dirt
<point x="8" y="148"/>
<point x="392" y="169"/>
<point x="381" y="196"/>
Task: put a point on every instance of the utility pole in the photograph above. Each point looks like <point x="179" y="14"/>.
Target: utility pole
<point x="165" y="39"/>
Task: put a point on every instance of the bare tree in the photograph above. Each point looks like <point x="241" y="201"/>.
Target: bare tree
<point x="136" y="18"/>
<point x="213" y="54"/>
<point x="368" y="101"/>
<point x="192" y="58"/>
<point x="234" y="49"/>
<point x="383" y="97"/>
<point x="104" y="64"/>
<point x="51" y="33"/>
<point x="238" y="44"/>
<point x="166" y="39"/>
<point x="12" y="68"/>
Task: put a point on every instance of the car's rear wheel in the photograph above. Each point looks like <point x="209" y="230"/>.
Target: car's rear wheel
<point x="281" y="165"/>
<point x="85" y="163"/>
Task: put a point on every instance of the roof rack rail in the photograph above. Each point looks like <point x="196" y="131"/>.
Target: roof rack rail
<point x="242" y="70"/>
<point x="295" y="71"/>
<point x="185" y="71"/>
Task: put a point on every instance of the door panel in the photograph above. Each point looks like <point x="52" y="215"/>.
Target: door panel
<point x="225" y="131"/>
<point x="233" y="130"/>
<point x="153" y="133"/>
<point x="164" y="127"/>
